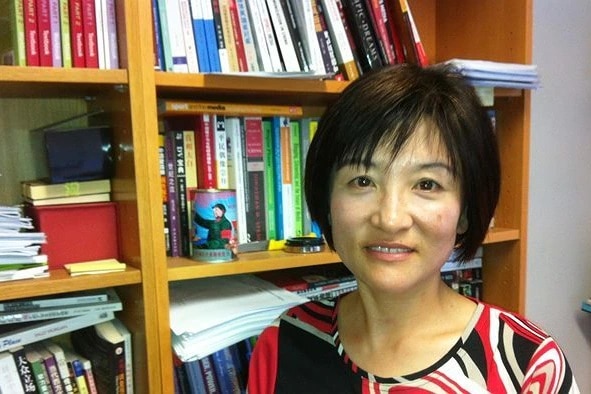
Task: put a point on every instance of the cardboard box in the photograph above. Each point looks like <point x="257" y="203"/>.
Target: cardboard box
<point x="77" y="232"/>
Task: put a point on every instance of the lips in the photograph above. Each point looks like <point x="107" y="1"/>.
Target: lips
<point x="392" y="250"/>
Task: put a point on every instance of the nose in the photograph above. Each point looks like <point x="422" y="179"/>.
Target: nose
<point x="391" y="213"/>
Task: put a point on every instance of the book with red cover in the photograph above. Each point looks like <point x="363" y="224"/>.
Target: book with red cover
<point x="89" y="29"/>
<point x="77" y="34"/>
<point x="238" y="38"/>
<point x="44" y="33"/>
<point x="31" y="32"/>
<point x="255" y="177"/>
<point x="205" y="139"/>
<point x="379" y="24"/>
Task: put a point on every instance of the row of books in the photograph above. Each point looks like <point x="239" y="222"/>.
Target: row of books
<point x="224" y="371"/>
<point x="261" y="157"/>
<point x="59" y="33"/>
<point x="330" y="38"/>
<point x="50" y="341"/>
<point x="20" y="246"/>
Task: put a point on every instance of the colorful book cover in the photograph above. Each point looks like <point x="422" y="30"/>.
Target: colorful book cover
<point x="238" y="37"/>
<point x="31" y="32"/>
<point x="186" y="23"/>
<point x="44" y="33"/>
<point x="255" y="174"/>
<point x="269" y="178"/>
<point x="164" y="36"/>
<point x="198" y="20"/>
<point x="250" y="48"/>
<point x="77" y="34"/>
<point x="222" y="46"/>
<point x="210" y="37"/>
<point x="237" y="174"/>
<point x="206" y="163"/>
<point x="181" y="184"/>
<point x="12" y="42"/>
<point x="173" y="204"/>
<point x="91" y="56"/>
<point x="54" y="28"/>
<point x="225" y="370"/>
<point x="221" y="152"/>
<point x="164" y="191"/>
<point x="269" y="37"/>
<point x="324" y="41"/>
<point x="110" y="33"/>
<point x="176" y="38"/>
<point x="23" y="366"/>
<point x="296" y="171"/>
<point x="284" y="40"/>
<point x="66" y="43"/>
<point x="228" y="33"/>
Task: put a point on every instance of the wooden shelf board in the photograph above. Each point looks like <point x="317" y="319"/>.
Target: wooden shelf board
<point x="236" y="87"/>
<point x="184" y="268"/>
<point x="43" y="81"/>
<point x="500" y="234"/>
<point x="59" y="281"/>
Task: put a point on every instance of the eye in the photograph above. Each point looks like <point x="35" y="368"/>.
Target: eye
<point x="361" y="182"/>
<point x="428" y="185"/>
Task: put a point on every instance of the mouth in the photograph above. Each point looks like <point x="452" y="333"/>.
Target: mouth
<point x="389" y="250"/>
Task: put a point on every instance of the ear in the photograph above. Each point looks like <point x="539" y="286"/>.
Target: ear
<point x="462" y="223"/>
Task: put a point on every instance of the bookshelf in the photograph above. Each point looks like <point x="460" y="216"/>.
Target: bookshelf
<point x="32" y="97"/>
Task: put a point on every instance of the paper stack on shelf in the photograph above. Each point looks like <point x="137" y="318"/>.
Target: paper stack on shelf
<point x="497" y="74"/>
<point x="207" y="315"/>
<point x="19" y="247"/>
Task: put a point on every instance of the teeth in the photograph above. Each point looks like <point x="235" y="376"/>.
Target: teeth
<point x="383" y="249"/>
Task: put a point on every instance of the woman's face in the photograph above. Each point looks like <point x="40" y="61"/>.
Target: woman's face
<point x="395" y="225"/>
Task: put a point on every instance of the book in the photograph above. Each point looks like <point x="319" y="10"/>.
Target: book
<point x="287" y="182"/>
<point x="187" y="376"/>
<point x="186" y="22"/>
<point x="254" y="177"/>
<point x="89" y="33"/>
<point x="285" y="43"/>
<point x="186" y="107"/>
<point x="269" y="178"/>
<point x="24" y="333"/>
<point x="54" y="300"/>
<point x="19" y="316"/>
<point x="164" y="192"/>
<point x="324" y="41"/>
<point x="12" y="33"/>
<point x="198" y="21"/>
<point x="304" y="16"/>
<point x="104" y="265"/>
<point x="44" y="33"/>
<point x="176" y="40"/>
<point x="238" y="36"/>
<point x="237" y="174"/>
<point x="225" y="371"/>
<point x="359" y="20"/>
<point x="297" y="178"/>
<point x="227" y="31"/>
<point x="31" y="32"/>
<point x="266" y="35"/>
<point x="24" y="370"/>
<point x="223" y="55"/>
<point x="220" y="149"/>
<point x="104" y="346"/>
<point x="294" y="32"/>
<point x="172" y="196"/>
<point x="42" y="189"/>
<point x="250" y="48"/>
<point x="10" y="381"/>
<point x="11" y="272"/>
<point x="55" y="33"/>
<point x="209" y="377"/>
<point x="77" y="41"/>
<point x="81" y="199"/>
<point x="128" y="348"/>
<point x="76" y="371"/>
<point x="410" y="36"/>
<point x="88" y="375"/>
<point x="50" y="364"/>
<point x="342" y="47"/>
<point x="110" y="33"/>
<point x="62" y="366"/>
<point x="210" y="36"/>
<point x="66" y="42"/>
<point x="181" y="192"/>
<point x="38" y="370"/>
<point x="377" y="13"/>
<point x="163" y="37"/>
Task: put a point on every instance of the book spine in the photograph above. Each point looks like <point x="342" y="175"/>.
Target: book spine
<point x="379" y="27"/>
<point x="54" y="313"/>
<point x="209" y="377"/>
<point x="176" y="37"/>
<point x="164" y="191"/>
<point x="191" y="377"/>
<point x="157" y="37"/>
<point x="388" y="15"/>
<point x="183" y="107"/>
<point x="210" y="36"/>
<point x="64" y="30"/>
<point x="250" y="49"/>
<point x="54" y="23"/>
<point x="277" y="175"/>
<point x="324" y="41"/>
<point x="228" y="33"/>
<point x="234" y="131"/>
<point x="199" y="35"/>
<point x="417" y="46"/>
<point x="101" y="47"/>
<point x="111" y="37"/>
<point x="255" y="170"/>
<point x="304" y="15"/>
<point x="186" y="22"/>
<point x="16" y="53"/>
<point x="269" y="37"/>
<point x="128" y="346"/>
<point x="173" y="205"/>
<point x="181" y="181"/>
<point x="51" y="371"/>
<point x="206" y="170"/>
<point x="89" y="30"/>
<point x="36" y="304"/>
<point x="50" y="328"/>
<point x="44" y="33"/>
<point x="9" y="378"/>
<point x="61" y="364"/>
<point x="269" y="178"/>
<point x="78" y="370"/>
<point x="340" y="40"/>
<point x="190" y="159"/>
<point x="89" y="376"/>
<point x="31" y="33"/>
<point x="225" y="370"/>
<point x="238" y="37"/>
<point x="77" y="34"/>
<point x="294" y="32"/>
<point x="285" y="43"/>
<point x="220" y="39"/>
<point x="359" y="20"/>
<point x="164" y="35"/>
<point x="221" y="152"/>
<point x="38" y="370"/>
<point x="288" y="211"/>
<point x="296" y="170"/>
<point x="24" y="370"/>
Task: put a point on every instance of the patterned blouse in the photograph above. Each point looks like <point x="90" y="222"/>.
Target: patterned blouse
<point x="499" y="352"/>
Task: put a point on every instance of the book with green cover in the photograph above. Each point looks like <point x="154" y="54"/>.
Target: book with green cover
<point x="296" y="170"/>
<point x="12" y="33"/>
<point x="269" y="178"/>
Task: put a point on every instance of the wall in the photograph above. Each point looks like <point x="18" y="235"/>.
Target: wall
<point x="559" y="241"/>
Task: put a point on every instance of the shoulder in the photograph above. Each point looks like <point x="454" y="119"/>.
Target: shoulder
<point x="319" y="315"/>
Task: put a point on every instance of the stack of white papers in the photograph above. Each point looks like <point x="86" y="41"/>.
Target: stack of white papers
<point x="19" y="247"/>
<point x="497" y="74"/>
<point x="207" y="315"/>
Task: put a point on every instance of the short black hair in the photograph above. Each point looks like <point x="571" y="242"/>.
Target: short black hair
<point x="384" y="108"/>
<point x="220" y="206"/>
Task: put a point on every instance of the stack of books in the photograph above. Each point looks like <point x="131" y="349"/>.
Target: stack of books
<point x="42" y="193"/>
<point x="20" y="256"/>
<point x="208" y="315"/>
<point x="497" y="74"/>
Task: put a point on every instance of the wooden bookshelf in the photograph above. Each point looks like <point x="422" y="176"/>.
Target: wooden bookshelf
<point x="497" y="30"/>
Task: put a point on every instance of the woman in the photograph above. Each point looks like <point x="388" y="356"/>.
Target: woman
<point x="404" y="168"/>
